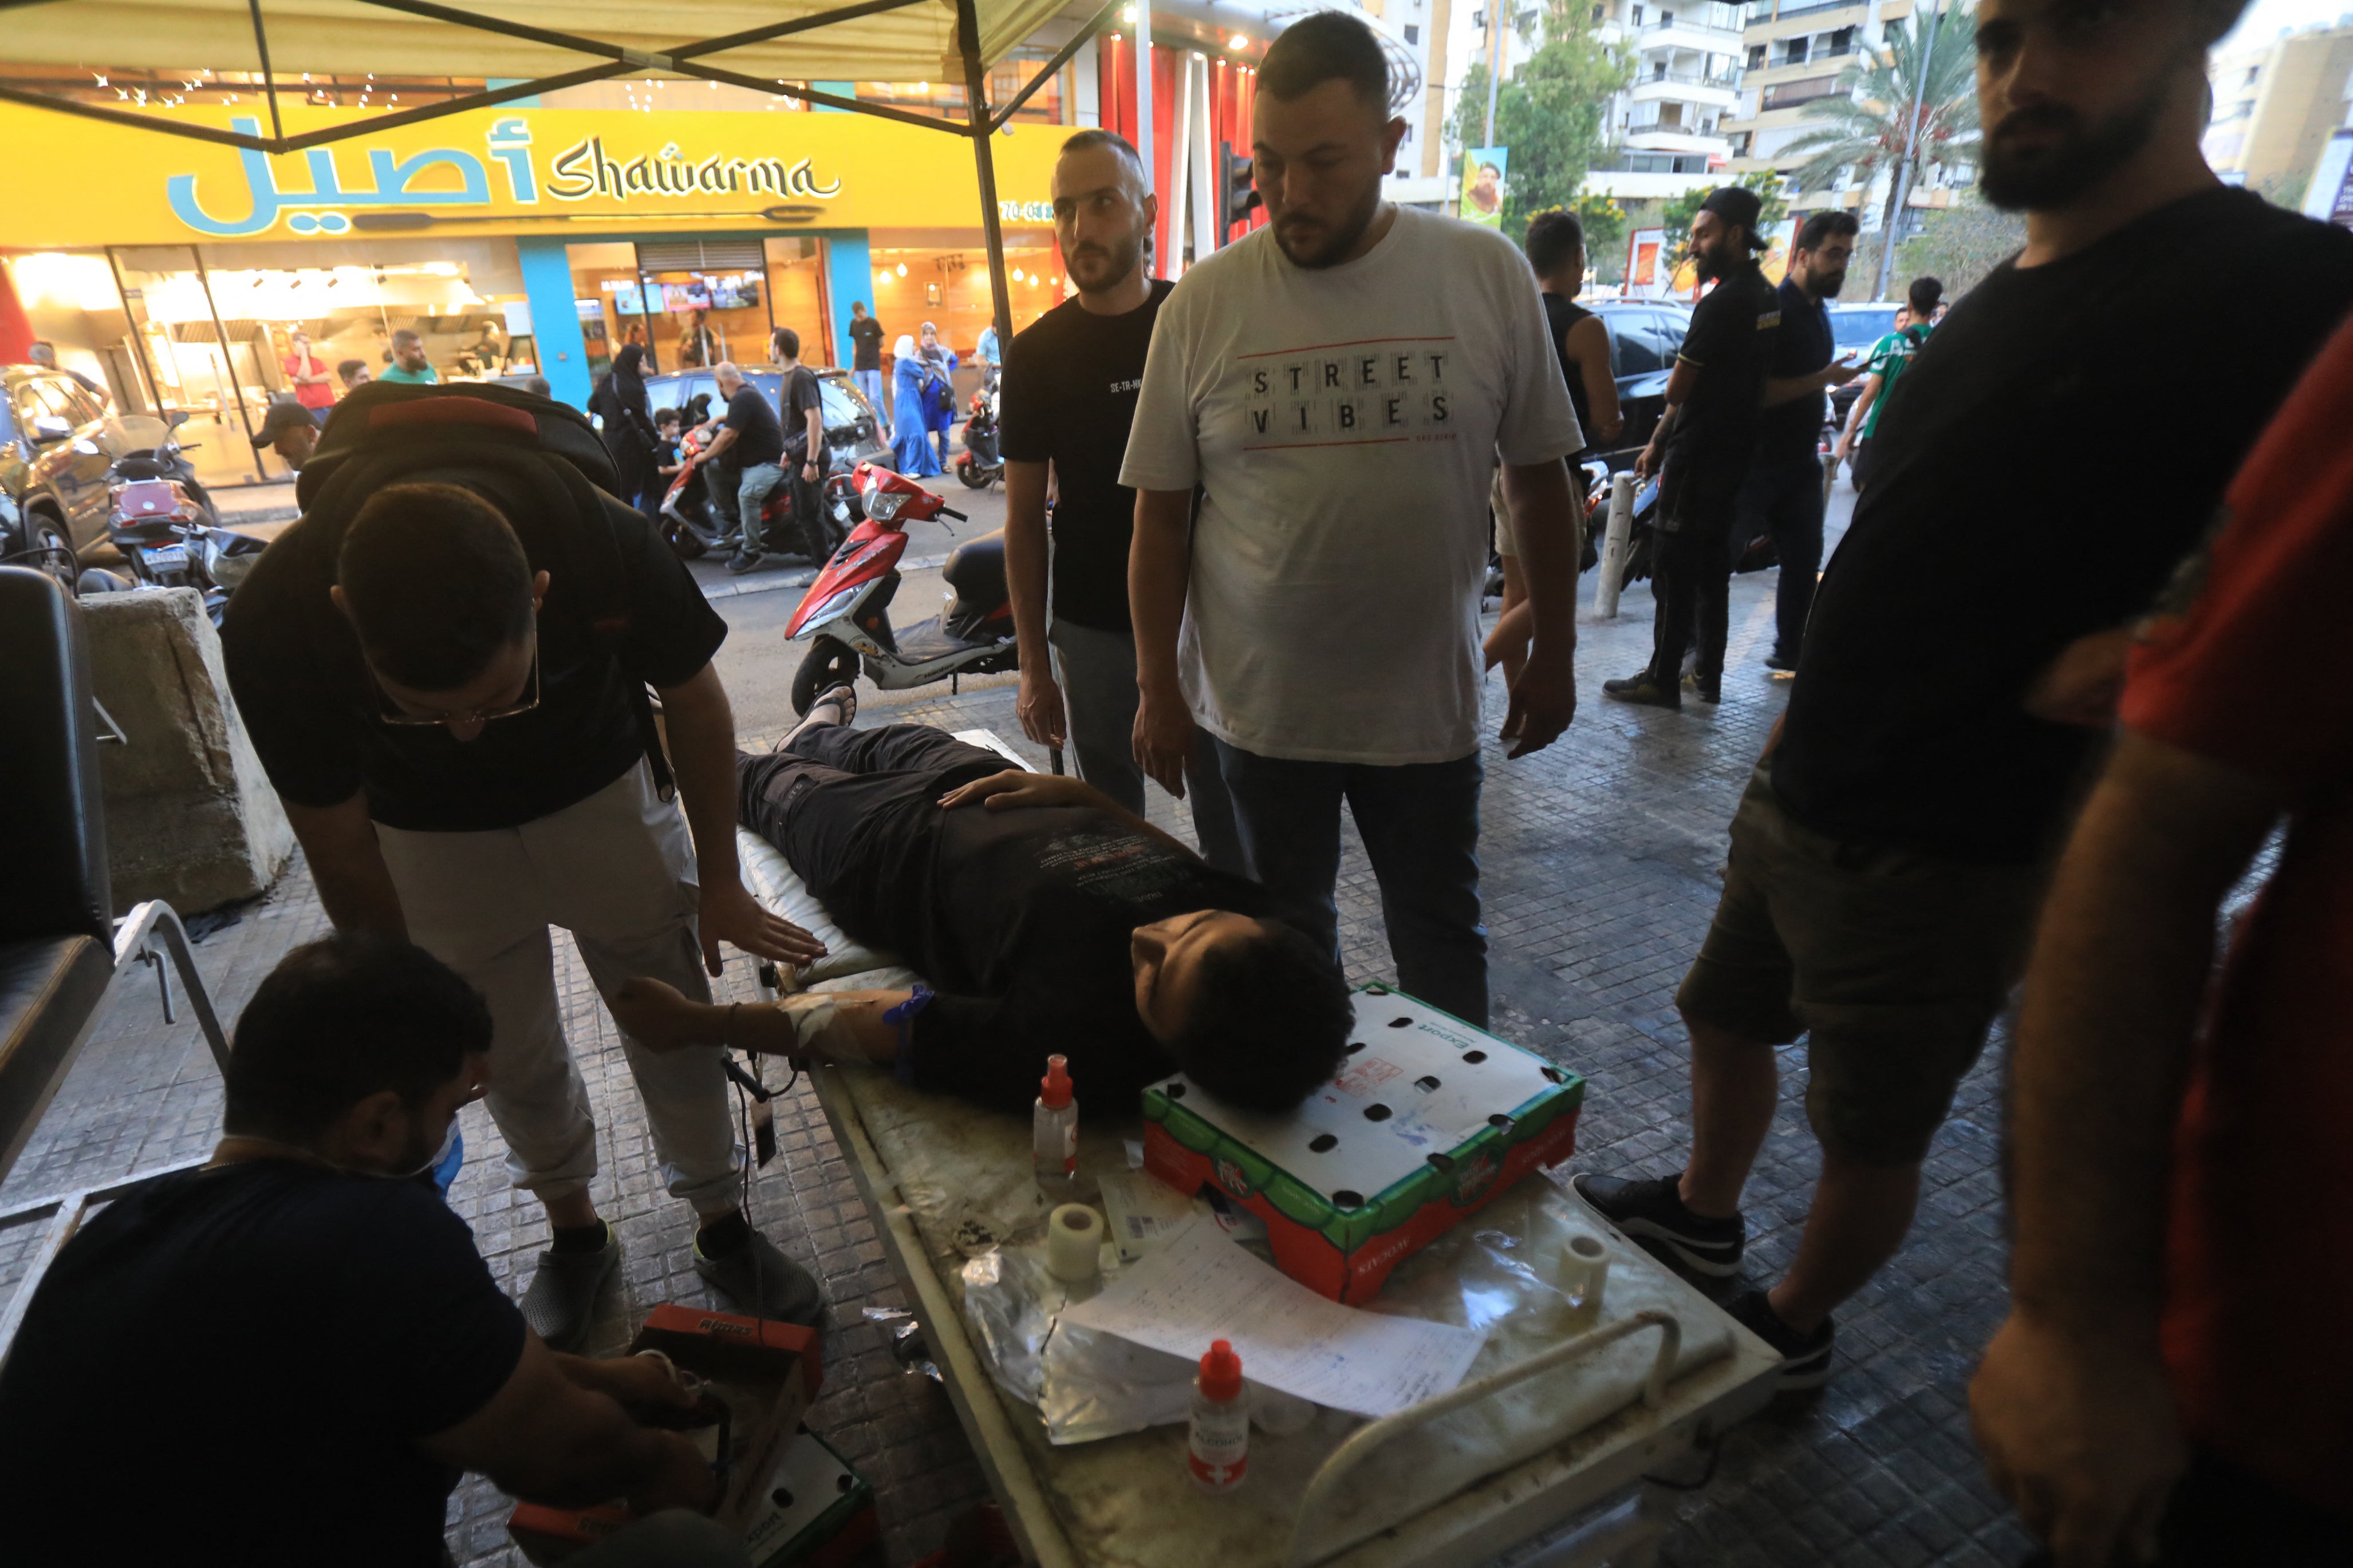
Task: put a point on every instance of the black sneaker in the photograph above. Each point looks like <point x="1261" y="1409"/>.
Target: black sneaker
<point x="764" y="1283"/>
<point x="1782" y="665"/>
<point x="1643" y="690"/>
<point x="562" y="1299"/>
<point x="743" y="561"/>
<point x="1707" y="688"/>
<point x="1805" y="1357"/>
<point x="1654" y="1211"/>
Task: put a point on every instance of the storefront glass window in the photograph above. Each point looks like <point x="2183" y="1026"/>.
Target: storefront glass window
<point x="216" y="325"/>
<point x="797" y="295"/>
<point x="950" y="289"/>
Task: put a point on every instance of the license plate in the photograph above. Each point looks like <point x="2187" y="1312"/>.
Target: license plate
<point x="168" y="557"/>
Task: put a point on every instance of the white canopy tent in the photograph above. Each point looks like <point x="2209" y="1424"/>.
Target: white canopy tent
<point x="538" y="46"/>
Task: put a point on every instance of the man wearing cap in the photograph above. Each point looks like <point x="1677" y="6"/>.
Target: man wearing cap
<point x="289" y="430"/>
<point x="1706" y="437"/>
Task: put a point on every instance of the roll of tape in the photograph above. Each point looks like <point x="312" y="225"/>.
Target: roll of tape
<point x="1583" y="1269"/>
<point x="1074" y="1234"/>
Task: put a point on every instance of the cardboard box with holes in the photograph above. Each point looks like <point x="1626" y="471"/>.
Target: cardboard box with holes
<point x="792" y="1498"/>
<point x="1428" y="1118"/>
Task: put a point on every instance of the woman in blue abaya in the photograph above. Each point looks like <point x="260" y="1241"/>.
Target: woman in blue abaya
<point x="911" y="385"/>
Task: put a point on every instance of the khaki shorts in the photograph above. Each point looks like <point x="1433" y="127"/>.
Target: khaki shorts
<point x="1893" y="963"/>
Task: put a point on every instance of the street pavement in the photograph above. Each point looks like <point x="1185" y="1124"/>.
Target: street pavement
<point x="1601" y="863"/>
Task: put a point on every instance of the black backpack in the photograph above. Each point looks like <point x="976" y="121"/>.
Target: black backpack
<point x="384" y="432"/>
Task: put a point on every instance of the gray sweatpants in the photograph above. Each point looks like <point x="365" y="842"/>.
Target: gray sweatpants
<point x="1097" y="672"/>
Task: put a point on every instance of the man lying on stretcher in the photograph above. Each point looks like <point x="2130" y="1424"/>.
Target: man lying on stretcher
<point x="1050" y="920"/>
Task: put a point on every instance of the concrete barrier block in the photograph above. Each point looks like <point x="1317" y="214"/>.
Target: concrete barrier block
<point x="190" y="816"/>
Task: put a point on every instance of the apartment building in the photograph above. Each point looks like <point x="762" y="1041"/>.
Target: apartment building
<point x="1665" y="128"/>
<point x="2275" y="106"/>
<point x="1794" y="53"/>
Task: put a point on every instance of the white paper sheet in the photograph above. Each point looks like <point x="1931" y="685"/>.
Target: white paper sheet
<point x="1201" y="1287"/>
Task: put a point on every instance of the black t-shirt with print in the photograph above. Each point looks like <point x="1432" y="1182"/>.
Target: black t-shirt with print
<point x="1020" y="921"/>
<point x="1070" y="383"/>
<point x="866" y="344"/>
<point x="1715" y="435"/>
<point x="2039" y="480"/>
<point x="316" y="716"/>
<point x="758" y="437"/>
<point x="1792" y="431"/>
<point x="269" y="1321"/>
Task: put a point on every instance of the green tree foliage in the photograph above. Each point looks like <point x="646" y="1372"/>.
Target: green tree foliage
<point x="1870" y="121"/>
<point x="1677" y="219"/>
<point x="1959" y="244"/>
<point x="1548" y="112"/>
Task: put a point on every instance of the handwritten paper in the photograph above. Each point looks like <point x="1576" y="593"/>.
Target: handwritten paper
<point x="1201" y="1287"/>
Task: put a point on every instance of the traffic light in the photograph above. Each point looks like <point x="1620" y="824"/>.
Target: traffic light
<point x="1236" y="189"/>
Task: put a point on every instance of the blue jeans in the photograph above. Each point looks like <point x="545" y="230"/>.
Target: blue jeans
<point x="750" y="493"/>
<point x="1785" y="498"/>
<point x="1419" y="823"/>
<point x="870" y="382"/>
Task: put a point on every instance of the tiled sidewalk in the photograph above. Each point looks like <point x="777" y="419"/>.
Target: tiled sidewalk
<point x="1602" y="859"/>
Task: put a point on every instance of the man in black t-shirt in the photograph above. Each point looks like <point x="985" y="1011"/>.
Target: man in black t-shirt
<point x="1050" y="919"/>
<point x="749" y="445"/>
<point x="866" y="361"/>
<point x="448" y="690"/>
<point x="1706" y="437"/>
<point x="1962" y="660"/>
<point x="801" y="403"/>
<point x="297" y="1311"/>
<point x="1784" y="493"/>
<point x="1071" y="381"/>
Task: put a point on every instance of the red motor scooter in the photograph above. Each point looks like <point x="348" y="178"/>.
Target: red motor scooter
<point x="693" y="526"/>
<point x="848" y="609"/>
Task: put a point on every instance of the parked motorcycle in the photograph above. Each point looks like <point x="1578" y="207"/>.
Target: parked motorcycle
<point x="982" y="464"/>
<point x="694" y="528"/>
<point x="846" y="610"/>
<point x="167" y="534"/>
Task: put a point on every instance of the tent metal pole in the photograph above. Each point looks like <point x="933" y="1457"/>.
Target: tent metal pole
<point x="1047" y="72"/>
<point x="992" y="222"/>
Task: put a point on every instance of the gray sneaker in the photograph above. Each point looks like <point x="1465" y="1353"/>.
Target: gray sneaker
<point x="562" y="1299"/>
<point x="765" y="1283"/>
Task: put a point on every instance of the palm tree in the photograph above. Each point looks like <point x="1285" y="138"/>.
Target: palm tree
<point x="1880" y="96"/>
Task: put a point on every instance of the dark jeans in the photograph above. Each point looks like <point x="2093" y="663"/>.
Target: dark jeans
<point x="1785" y="498"/>
<point x="721" y="479"/>
<point x="1692" y="579"/>
<point x="1419" y="823"/>
<point x="810" y="802"/>
<point x="2224" y="1516"/>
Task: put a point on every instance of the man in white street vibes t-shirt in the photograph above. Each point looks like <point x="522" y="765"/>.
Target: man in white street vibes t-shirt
<point x="1339" y="386"/>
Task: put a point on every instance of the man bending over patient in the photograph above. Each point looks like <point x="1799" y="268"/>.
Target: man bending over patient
<point x="1052" y="919"/>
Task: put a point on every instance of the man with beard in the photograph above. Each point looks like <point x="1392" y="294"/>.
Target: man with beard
<point x="1960" y="666"/>
<point x="1338" y="387"/>
<point x="1068" y="400"/>
<point x="1708" y="433"/>
<point x="1783" y="493"/>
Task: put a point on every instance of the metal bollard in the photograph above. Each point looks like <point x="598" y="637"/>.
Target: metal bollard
<point x="1612" y="565"/>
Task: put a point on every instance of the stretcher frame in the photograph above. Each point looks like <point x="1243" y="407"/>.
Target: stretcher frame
<point x="1599" y="1473"/>
<point x="1601" y="1468"/>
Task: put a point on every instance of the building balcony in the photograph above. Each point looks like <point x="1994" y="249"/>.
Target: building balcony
<point x="1714" y="93"/>
<point x="1790" y="94"/>
<point x="1766" y="11"/>
<point x="1680" y="34"/>
<point x="1686" y="141"/>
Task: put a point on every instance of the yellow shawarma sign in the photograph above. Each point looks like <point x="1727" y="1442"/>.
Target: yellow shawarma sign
<point x="506" y="170"/>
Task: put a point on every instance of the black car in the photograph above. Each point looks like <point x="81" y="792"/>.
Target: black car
<point x="853" y="431"/>
<point x="1644" y="337"/>
<point x="57" y="443"/>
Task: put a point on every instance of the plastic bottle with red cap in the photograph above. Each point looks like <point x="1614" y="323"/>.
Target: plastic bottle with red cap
<point x="1218" y="1455"/>
<point x="1054" y="1128"/>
